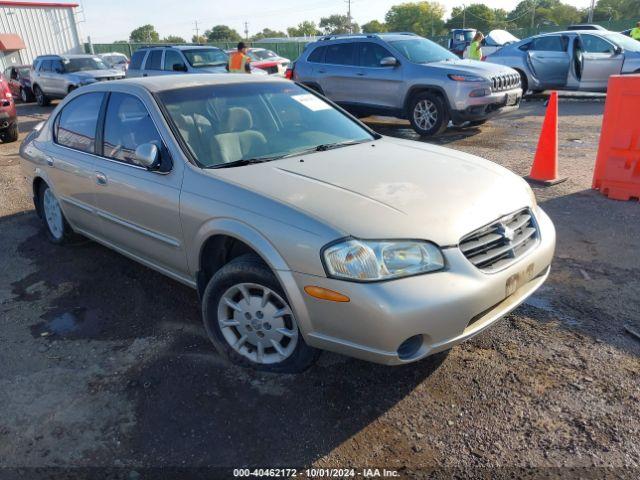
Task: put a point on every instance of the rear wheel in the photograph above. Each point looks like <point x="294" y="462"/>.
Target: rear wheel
<point x="249" y="320"/>
<point x="524" y="83"/>
<point x="41" y="98"/>
<point x="24" y="95"/>
<point x="428" y="114"/>
<point x="57" y="228"/>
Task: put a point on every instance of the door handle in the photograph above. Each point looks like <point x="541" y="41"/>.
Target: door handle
<point x="50" y="161"/>
<point x="145" y="75"/>
<point x="321" y="71"/>
<point x="101" y="178"/>
<point x="360" y="74"/>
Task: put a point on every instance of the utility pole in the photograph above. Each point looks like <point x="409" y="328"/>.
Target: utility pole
<point x="593" y="6"/>
<point x="197" y="30"/>
<point x="349" y="16"/>
<point x="246" y="30"/>
<point x="464" y="15"/>
<point x="533" y="14"/>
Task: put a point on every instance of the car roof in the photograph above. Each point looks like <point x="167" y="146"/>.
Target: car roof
<point x="72" y="55"/>
<point x="172" y="82"/>
<point x="181" y="47"/>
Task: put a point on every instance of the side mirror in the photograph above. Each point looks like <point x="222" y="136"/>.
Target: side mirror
<point x="388" y="62"/>
<point x="179" y="67"/>
<point x="618" y="50"/>
<point x="147" y="155"/>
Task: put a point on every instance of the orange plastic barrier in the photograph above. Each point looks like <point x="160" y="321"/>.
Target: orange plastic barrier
<point x="544" y="170"/>
<point x="617" y="170"/>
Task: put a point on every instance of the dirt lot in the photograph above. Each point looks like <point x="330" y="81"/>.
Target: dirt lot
<point x="105" y="362"/>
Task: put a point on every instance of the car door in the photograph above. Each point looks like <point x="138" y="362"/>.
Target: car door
<point x="43" y="75"/>
<point x="153" y="63"/>
<point x="376" y="84"/>
<point x="70" y="160"/>
<point x="139" y="209"/>
<point x="549" y="60"/>
<point x="597" y="60"/>
<point x="335" y="75"/>
<point x="57" y="83"/>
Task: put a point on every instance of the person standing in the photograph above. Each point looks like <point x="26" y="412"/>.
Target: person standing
<point x="635" y="32"/>
<point x="475" y="49"/>
<point x="239" y="61"/>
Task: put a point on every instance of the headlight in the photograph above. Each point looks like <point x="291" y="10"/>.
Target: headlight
<point x="466" y="78"/>
<point x="371" y="260"/>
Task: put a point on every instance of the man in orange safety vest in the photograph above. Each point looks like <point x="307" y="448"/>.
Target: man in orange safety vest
<point x="239" y="61"/>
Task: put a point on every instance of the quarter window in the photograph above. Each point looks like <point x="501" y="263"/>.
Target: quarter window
<point x="136" y="59"/>
<point x="171" y="58"/>
<point x="317" y="55"/>
<point x="340" y="54"/>
<point x="371" y="54"/>
<point x="76" y="124"/>
<point x="127" y="125"/>
<point x="154" y="60"/>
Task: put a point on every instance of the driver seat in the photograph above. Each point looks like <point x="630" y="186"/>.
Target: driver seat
<point x="239" y="141"/>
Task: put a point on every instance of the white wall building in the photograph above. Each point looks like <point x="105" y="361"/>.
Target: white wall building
<point x="43" y="28"/>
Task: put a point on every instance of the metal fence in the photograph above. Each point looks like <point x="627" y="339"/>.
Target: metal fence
<point x="293" y="49"/>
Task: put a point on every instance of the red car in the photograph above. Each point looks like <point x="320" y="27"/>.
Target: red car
<point x="8" y="115"/>
<point x="267" y="60"/>
<point x="19" y="78"/>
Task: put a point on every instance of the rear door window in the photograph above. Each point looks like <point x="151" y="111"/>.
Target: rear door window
<point x="45" y="66"/>
<point x="136" y="59"/>
<point x="551" y="43"/>
<point x="341" y="54"/>
<point x="154" y="60"/>
<point x="75" y="126"/>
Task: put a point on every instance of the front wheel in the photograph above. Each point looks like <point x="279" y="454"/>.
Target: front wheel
<point x="249" y="321"/>
<point x="428" y="114"/>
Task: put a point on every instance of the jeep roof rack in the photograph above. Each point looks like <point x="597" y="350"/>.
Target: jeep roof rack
<point x="339" y="36"/>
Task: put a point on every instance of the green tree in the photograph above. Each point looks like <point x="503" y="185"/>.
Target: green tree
<point x="478" y="16"/>
<point x="268" y="33"/>
<point x="374" y="26"/>
<point x="198" y="39"/>
<point x="336" y="24"/>
<point x="144" y="34"/>
<point x="616" y="10"/>
<point x="220" y="33"/>
<point x="423" y="18"/>
<point x="304" y="29"/>
<point x="173" y="39"/>
<point x="547" y="12"/>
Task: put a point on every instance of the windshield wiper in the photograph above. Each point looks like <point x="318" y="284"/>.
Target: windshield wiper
<point x="246" y="161"/>
<point x="325" y="146"/>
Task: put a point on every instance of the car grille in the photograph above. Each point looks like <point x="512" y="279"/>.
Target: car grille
<point x="508" y="81"/>
<point x="499" y="244"/>
<point x="272" y="70"/>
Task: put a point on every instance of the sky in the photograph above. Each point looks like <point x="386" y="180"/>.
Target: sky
<point x="110" y="20"/>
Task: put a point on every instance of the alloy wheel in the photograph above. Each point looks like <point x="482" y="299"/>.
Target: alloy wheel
<point x="53" y="214"/>
<point x="425" y="114"/>
<point x="23" y="95"/>
<point x="257" y="323"/>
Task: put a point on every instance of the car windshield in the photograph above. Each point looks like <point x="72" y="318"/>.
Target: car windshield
<point x="206" y="57"/>
<point x="260" y="121"/>
<point x="72" y="65"/>
<point x="262" y="54"/>
<point x="468" y="35"/>
<point x="625" y="42"/>
<point x="115" y="59"/>
<point x="421" y="50"/>
<point x="24" y="72"/>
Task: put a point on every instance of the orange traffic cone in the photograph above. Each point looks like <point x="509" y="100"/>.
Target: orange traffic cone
<point x="544" y="170"/>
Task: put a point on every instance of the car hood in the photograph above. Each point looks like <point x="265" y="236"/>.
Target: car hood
<point x="390" y="188"/>
<point x="472" y="67"/>
<point x="112" y="72"/>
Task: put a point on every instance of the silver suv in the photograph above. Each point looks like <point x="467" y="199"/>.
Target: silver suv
<point x="407" y="76"/>
<point x="300" y="227"/>
<point x="54" y="76"/>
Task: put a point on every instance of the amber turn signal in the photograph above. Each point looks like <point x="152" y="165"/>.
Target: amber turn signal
<point x="325" y="294"/>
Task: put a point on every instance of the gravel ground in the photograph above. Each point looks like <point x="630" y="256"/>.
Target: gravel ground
<point x="105" y="363"/>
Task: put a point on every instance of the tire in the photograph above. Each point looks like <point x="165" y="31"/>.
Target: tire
<point x="10" y="134"/>
<point x="24" y="95"/>
<point x="41" y="98"/>
<point x="56" y="226"/>
<point x="428" y="114"/>
<point x="524" y="83"/>
<point x="253" y="325"/>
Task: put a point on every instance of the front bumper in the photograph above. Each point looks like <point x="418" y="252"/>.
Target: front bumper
<point x="481" y="108"/>
<point x="444" y="308"/>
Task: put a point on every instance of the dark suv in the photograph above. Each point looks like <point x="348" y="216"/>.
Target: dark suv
<point x="407" y="76"/>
